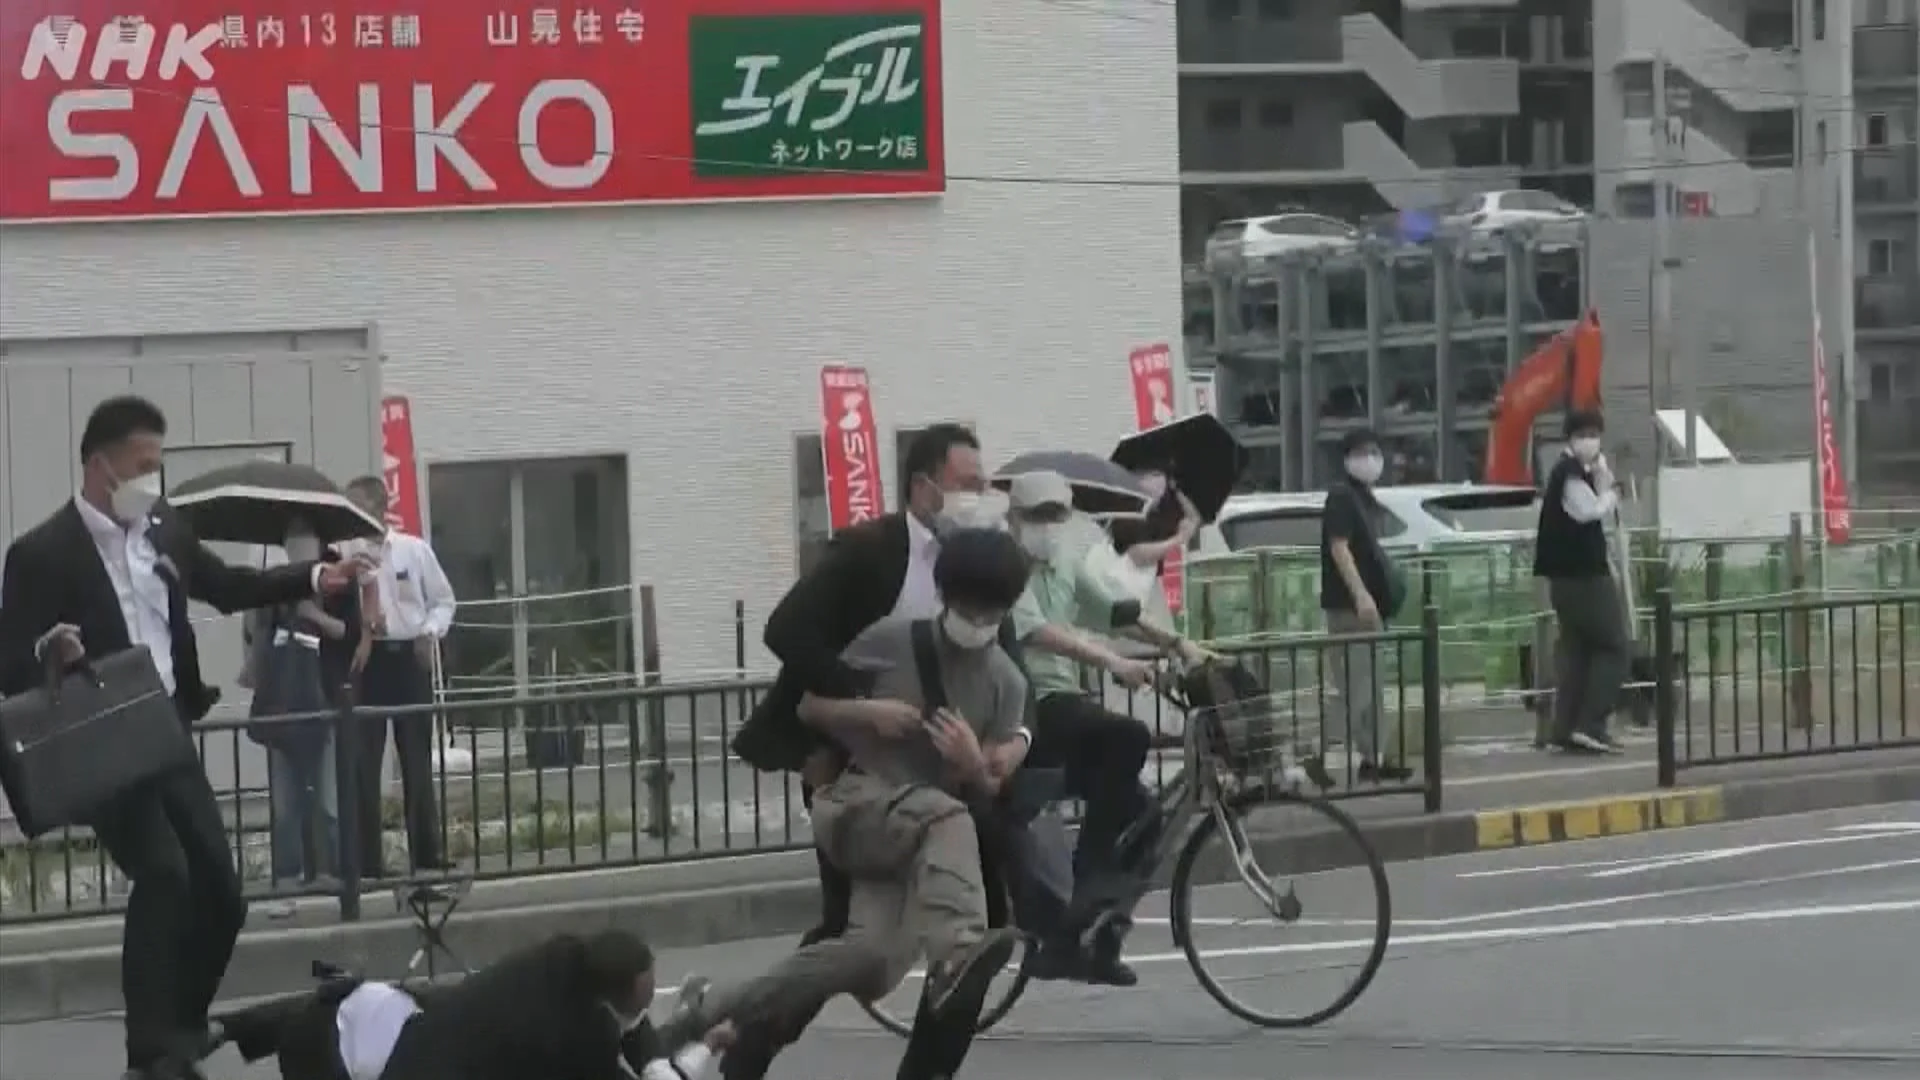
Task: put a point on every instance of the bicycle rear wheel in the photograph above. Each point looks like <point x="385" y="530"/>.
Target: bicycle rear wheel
<point x="1344" y="868"/>
<point x="895" y="1011"/>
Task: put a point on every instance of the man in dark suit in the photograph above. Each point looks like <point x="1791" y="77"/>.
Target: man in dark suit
<point x="112" y="569"/>
<point x="877" y="568"/>
<point x="567" y="1008"/>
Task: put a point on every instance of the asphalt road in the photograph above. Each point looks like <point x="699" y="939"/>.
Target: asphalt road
<point x="1769" y="950"/>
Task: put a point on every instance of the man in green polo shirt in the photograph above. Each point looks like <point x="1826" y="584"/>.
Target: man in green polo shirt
<point x="1100" y="752"/>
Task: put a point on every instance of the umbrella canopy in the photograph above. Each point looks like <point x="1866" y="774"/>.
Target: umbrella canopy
<point x="1197" y="452"/>
<point x="255" y="502"/>
<point x="1099" y="485"/>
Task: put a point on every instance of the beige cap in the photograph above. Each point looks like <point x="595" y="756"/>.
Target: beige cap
<point x="1029" y="491"/>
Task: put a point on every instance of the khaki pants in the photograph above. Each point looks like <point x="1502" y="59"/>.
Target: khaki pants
<point x="914" y="858"/>
<point x="1353" y="704"/>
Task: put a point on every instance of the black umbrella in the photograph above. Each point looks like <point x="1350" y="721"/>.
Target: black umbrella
<point x="254" y="503"/>
<point x="1197" y="453"/>
<point x="1099" y="485"/>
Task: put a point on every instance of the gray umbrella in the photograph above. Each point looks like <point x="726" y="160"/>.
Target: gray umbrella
<point x="255" y="502"/>
<point x="1099" y="485"/>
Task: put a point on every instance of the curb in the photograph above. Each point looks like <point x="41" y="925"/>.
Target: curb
<point x="83" y="981"/>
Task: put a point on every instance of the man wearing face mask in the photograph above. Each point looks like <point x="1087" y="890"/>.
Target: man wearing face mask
<point x="1570" y="551"/>
<point x="1100" y="752"/>
<point x="1359" y="592"/>
<point x="113" y="569"/>
<point x="874" y="569"/>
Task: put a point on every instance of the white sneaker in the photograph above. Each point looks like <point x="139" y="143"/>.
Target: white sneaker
<point x="1599" y="746"/>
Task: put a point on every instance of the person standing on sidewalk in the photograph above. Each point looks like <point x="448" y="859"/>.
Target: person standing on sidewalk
<point x="1570" y="550"/>
<point x="408" y="610"/>
<point x="1359" y="592"/>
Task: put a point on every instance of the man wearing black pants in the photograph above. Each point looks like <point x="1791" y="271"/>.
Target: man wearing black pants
<point x="111" y="570"/>
<point x="408" y="608"/>
<point x="1570" y="551"/>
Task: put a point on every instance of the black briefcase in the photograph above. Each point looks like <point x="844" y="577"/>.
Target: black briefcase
<point x="70" y="748"/>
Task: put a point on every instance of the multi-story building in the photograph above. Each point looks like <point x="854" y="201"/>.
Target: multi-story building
<point x="1785" y="119"/>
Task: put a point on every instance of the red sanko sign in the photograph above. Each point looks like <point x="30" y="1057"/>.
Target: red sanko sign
<point x="398" y="466"/>
<point x="185" y="108"/>
<point x="850" y="441"/>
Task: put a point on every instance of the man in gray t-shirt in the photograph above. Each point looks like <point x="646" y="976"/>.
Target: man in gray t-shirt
<point x="896" y="819"/>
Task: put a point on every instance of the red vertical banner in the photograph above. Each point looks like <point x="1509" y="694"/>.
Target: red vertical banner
<point x="398" y="466"/>
<point x="1153" y="392"/>
<point x="1834" y="509"/>
<point x="850" y="444"/>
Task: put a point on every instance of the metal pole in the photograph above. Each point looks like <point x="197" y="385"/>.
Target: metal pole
<point x="1663" y="261"/>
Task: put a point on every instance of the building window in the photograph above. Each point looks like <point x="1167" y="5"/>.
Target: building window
<point x="1223" y="114"/>
<point x="1770" y="28"/>
<point x="1876" y="133"/>
<point x="1819" y="20"/>
<point x="537" y="551"/>
<point x="1885" y="254"/>
<point x="1770" y="138"/>
<point x="812" y="517"/>
<point x="1275" y="113"/>
<point x="1880" y="382"/>
<point x="1633" y="200"/>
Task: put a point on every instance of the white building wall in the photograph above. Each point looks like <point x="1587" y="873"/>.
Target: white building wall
<point x="689" y="338"/>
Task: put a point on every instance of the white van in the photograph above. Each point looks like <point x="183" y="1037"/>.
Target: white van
<point x="1419" y="517"/>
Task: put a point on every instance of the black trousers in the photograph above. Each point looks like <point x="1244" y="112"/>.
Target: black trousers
<point x="394" y="677"/>
<point x="301" y="1031"/>
<point x="1100" y="754"/>
<point x="185" y="913"/>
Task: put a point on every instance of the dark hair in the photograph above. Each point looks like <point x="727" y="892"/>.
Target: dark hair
<point x="982" y="568"/>
<point x="615" y="958"/>
<point x="1358" y="439"/>
<point x="371" y="486"/>
<point x="929" y="449"/>
<point x="117" y="419"/>
<point x="1580" y="420"/>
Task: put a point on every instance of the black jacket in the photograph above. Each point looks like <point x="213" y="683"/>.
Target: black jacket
<point x="531" y="1014"/>
<point x="854" y="585"/>
<point x="54" y="575"/>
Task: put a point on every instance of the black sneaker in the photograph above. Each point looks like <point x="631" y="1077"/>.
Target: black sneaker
<point x="1055" y="961"/>
<point x="1371" y="773"/>
<point x="1107" y="969"/>
<point x="959" y="992"/>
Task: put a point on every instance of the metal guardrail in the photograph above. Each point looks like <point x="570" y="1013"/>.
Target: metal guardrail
<point x="1842" y="679"/>
<point x="642" y="775"/>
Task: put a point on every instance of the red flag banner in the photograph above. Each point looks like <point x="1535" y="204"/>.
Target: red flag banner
<point x="398" y="466"/>
<point x="851" y="444"/>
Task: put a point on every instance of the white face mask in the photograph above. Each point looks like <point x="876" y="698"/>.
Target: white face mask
<point x="133" y="499"/>
<point x="1154" y="484"/>
<point x="1586" y="447"/>
<point x="970" y="510"/>
<point x="966" y="633"/>
<point x="1366" y="468"/>
<point x="1041" y="541"/>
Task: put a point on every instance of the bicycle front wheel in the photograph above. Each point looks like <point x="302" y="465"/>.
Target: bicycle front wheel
<point x="1322" y="922"/>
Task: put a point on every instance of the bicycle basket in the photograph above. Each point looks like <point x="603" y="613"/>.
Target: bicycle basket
<point x="1236" y="715"/>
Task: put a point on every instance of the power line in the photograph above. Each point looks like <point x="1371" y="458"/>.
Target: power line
<point x="794" y="169"/>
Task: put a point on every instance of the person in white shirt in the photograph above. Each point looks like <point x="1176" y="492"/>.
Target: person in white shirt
<point x="1593" y="655"/>
<point x="113" y="569"/>
<point x="408" y="606"/>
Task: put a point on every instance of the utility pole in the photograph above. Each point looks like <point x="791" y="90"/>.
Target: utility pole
<point x="1665" y="195"/>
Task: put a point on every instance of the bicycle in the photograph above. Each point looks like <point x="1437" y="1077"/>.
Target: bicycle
<point x="1232" y="762"/>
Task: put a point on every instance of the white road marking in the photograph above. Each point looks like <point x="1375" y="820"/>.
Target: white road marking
<point x="1879" y="827"/>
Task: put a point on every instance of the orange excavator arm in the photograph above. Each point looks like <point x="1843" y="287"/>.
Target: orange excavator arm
<point x="1563" y="373"/>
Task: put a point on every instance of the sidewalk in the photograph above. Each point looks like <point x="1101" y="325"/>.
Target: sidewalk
<point x="71" y="968"/>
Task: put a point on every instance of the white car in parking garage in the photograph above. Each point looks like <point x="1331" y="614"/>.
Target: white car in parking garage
<point x="1495" y="210"/>
<point x="1239" y="241"/>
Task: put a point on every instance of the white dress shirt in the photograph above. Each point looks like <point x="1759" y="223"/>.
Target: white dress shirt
<point x="415" y="597"/>
<point x="132" y="564"/>
<point x="369" y="1021"/>
<point x="1582" y="502"/>
<point x="918" y="598"/>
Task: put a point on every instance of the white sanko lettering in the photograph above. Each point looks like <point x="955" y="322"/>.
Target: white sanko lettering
<point x="566" y="177"/>
<point x="47" y="46"/>
<point x="306" y="114"/>
<point x="128" y="44"/>
<point x="207" y="110"/>
<point x="188" y="50"/>
<point x="117" y="148"/>
<point x="434" y="139"/>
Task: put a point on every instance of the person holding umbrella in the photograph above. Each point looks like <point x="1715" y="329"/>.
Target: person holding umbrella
<point x="111" y="570"/>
